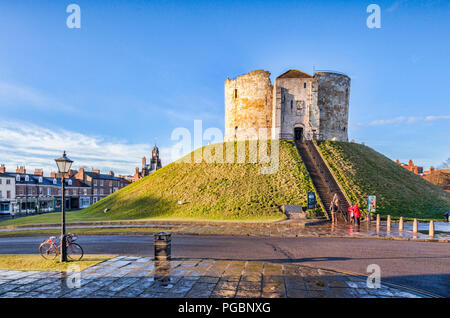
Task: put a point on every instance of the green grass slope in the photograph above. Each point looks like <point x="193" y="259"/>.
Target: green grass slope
<point x="210" y="191"/>
<point x="362" y="171"/>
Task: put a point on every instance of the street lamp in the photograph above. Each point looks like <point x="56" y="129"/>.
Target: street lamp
<point x="64" y="164"/>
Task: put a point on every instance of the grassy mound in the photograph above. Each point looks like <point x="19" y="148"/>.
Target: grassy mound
<point x="362" y="171"/>
<point x="211" y="191"/>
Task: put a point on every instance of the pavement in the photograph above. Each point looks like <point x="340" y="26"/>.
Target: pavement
<point x="289" y="228"/>
<point x="418" y="265"/>
<point x="128" y="276"/>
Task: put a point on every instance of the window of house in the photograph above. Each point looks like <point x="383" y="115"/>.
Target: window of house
<point x="8" y="194"/>
<point x="8" y="181"/>
<point x="101" y="191"/>
<point x="41" y="191"/>
<point x="85" y="191"/>
<point x="95" y="191"/>
<point x="69" y="182"/>
<point x="54" y="181"/>
<point x="49" y="191"/>
<point x="18" y="177"/>
<point x="40" y="179"/>
<point x="95" y="182"/>
<point x="27" y="178"/>
<point x="1" y="195"/>
<point x="101" y="183"/>
<point x="1" y="180"/>
<point x="30" y="191"/>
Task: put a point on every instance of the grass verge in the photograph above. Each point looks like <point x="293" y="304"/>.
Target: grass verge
<point x="91" y="231"/>
<point x="37" y="263"/>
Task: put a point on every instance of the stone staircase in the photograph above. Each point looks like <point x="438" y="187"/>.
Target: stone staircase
<point x="324" y="182"/>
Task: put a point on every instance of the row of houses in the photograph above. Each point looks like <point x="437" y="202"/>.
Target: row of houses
<point x="22" y="192"/>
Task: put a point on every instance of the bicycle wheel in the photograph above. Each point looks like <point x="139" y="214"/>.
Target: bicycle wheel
<point x="74" y="252"/>
<point x="48" y="251"/>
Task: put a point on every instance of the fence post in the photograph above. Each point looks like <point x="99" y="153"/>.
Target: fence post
<point x="388" y="223"/>
<point x="431" y="229"/>
<point x="400" y="224"/>
<point x="415" y="226"/>
<point x="378" y="222"/>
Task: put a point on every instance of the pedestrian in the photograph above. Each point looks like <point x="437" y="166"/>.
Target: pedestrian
<point x="447" y="217"/>
<point x="350" y="212"/>
<point x="334" y="208"/>
<point x="357" y="214"/>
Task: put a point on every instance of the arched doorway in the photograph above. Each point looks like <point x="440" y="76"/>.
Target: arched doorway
<point x="298" y="134"/>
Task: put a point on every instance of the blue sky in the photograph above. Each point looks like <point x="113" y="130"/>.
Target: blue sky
<point x="136" y="70"/>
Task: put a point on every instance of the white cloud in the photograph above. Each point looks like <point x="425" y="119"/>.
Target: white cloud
<point x="408" y="120"/>
<point x="11" y="94"/>
<point x="37" y="147"/>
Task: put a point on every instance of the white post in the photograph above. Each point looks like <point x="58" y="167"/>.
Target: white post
<point x="388" y="223"/>
<point x="431" y="229"/>
<point x="378" y="222"/>
<point x="400" y="224"/>
<point x="415" y="226"/>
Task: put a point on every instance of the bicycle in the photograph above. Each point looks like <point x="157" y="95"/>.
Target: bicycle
<point x="51" y="248"/>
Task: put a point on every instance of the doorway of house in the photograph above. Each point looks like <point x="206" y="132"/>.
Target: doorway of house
<point x="298" y="134"/>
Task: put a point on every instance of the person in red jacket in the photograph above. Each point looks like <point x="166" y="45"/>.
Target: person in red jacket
<point x="357" y="214"/>
<point x="350" y="213"/>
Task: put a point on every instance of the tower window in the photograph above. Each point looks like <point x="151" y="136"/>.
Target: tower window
<point x="292" y="103"/>
<point x="235" y="93"/>
<point x="304" y="85"/>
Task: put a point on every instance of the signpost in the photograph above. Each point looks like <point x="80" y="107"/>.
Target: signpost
<point x="372" y="204"/>
<point x="311" y="200"/>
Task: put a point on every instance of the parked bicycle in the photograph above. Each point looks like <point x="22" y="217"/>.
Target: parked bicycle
<point x="51" y="248"/>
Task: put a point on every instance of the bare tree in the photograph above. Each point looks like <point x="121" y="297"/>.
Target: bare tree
<point x="445" y="164"/>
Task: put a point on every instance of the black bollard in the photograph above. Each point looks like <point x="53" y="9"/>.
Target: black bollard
<point x="163" y="242"/>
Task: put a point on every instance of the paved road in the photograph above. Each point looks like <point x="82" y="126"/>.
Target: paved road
<point x="421" y="265"/>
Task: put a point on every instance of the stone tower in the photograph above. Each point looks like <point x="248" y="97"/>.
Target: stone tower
<point x="248" y="105"/>
<point x="295" y="111"/>
<point x="299" y="106"/>
<point x="333" y="101"/>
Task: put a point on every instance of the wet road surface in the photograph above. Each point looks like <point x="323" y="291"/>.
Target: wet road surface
<point x="421" y="265"/>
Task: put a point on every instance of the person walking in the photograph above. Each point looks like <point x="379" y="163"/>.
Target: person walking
<point x="357" y="214"/>
<point x="334" y="208"/>
<point x="350" y="213"/>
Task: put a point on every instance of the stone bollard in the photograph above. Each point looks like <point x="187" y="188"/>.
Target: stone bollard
<point x="388" y="223"/>
<point x="415" y="226"/>
<point x="431" y="229"/>
<point x="378" y="223"/>
<point x="163" y="242"/>
<point x="400" y="224"/>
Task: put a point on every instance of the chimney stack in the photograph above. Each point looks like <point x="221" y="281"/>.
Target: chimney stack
<point x="21" y="170"/>
<point x="2" y="169"/>
<point x="111" y="173"/>
<point x="38" y="172"/>
<point x="52" y="174"/>
<point x="96" y="171"/>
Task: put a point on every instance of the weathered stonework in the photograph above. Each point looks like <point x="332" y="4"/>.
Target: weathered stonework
<point x="333" y="101"/>
<point x="248" y="106"/>
<point x="297" y="106"/>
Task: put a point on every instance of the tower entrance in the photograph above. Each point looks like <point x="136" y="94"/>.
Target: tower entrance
<point x="298" y="134"/>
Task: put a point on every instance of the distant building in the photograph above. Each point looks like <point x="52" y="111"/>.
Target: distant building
<point x="411" y="167"/>
<point x="441" y="178"/>
<point x="22" y="192"/>
<point x="152" y="166"/>
<point x="101" y="185"/>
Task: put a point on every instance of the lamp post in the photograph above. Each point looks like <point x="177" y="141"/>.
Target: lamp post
<point x="64" y="164"/>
